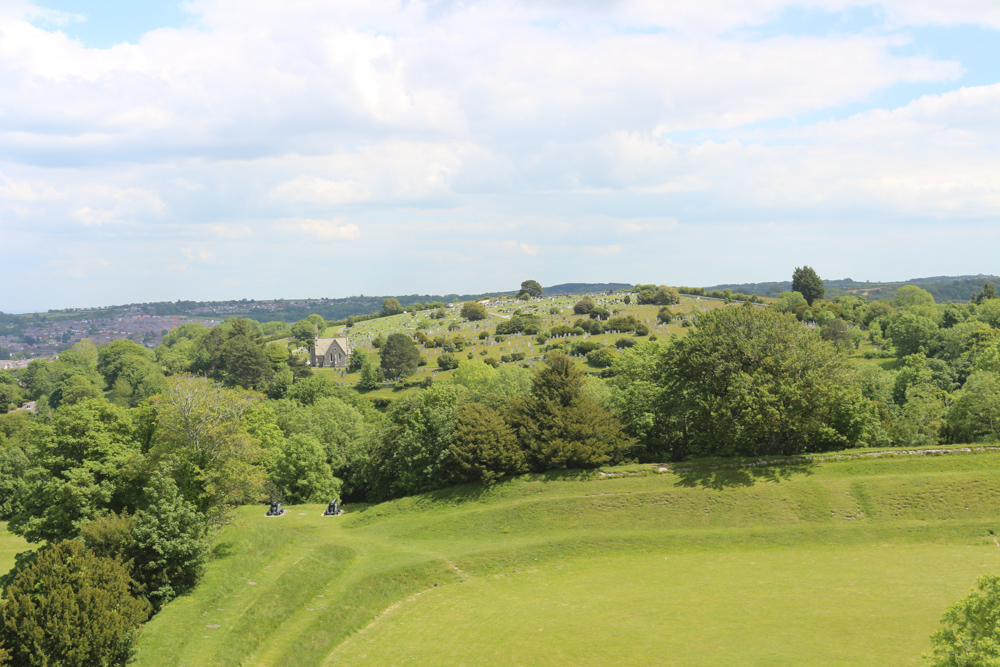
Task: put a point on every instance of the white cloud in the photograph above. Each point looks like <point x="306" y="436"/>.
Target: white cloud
<point x="440" y="126"/>
<point x="323" y="230"/>
<point x="320" y="191"/>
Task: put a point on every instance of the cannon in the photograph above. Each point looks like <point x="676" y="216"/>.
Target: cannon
<point x="275" y="509"/>
<point x="333" y="509"/>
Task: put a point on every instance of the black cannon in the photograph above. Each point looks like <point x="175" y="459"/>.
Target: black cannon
<point x="333" y="509"/>
<point x="275" y="509"/>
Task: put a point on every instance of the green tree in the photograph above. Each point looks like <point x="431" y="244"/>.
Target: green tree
<point x="989" y="291"/>
<point x="356" y="361"/>
<point x="370" y="376"/>
<point x="447" y="361"/>
<point x="975" y="413"/>
<point x="391" y="306"/>
<point x="72" y="608"/>
<point x="750" y="382"/>
<point x="203" y="437"/>
<point x="82" y="466"/>
<point x="409" y="453"/>
<point x="666" y="296"/>
<point x="835" y="331"/>
<point x="665" y="315"/>
<point x="559" y="425"/>
<point x="532" y="288"/>
<point x="302" y="473"/>
<point x="911" y="333"/>
<point x="970" y="636"/>
<point x="914" y="299"/>
<point x="399" y="356"/>
<point x="474" y="311"/>
<point x="483" y="448"/>
<point x="807" y="282"/>
<point x="583" y="306"/>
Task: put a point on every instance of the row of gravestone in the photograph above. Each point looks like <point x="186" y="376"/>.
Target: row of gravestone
<point x="333" y="509"/>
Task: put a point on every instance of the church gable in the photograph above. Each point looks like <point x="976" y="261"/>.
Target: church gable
<point x="332" y="352"/>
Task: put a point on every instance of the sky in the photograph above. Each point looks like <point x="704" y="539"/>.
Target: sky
<point x="227" y="149"/>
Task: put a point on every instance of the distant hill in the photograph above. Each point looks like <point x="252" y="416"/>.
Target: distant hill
<point x="288" y="310"/>
<point x="582" y="288"/>
<point x="943" y="288"/>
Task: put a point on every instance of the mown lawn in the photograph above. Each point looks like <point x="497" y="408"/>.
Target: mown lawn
<point x="846" y="562"/>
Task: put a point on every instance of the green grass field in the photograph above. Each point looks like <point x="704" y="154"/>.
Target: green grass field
<point x="9" y="546"/>
<point x="838" y="562"/>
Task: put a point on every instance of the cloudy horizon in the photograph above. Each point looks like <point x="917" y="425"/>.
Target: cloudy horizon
<point x="215" y="149"/>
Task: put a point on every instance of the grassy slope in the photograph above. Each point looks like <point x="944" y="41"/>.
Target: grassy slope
<point x="839" y="562"/>
<point x="9" y="546"/>
<point x="362" y="333"/>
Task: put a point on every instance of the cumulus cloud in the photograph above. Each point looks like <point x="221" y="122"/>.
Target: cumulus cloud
<point x="440" y="127"/>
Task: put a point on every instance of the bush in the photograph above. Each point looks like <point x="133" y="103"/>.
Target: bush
<point x="642" y="330"/>
<point x="623" y="343"/>
<point x="447" y="362"/>
<point x="665" y="315"/>
<point x="623" y="324"/>
<point x="583" y="306"/>
<point x="491" y="361"/>
<point x="600" y="313"/>
<point x="474" y="311"/>
<point x="484" y="334"/>
<point x="601" y="358"/>
<point x="585" y="346"/>
<point x="72" y="607"/>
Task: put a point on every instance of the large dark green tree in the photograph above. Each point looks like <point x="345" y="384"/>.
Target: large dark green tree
<point x="531" y="287"/>
<point x="399" y="356"/>
<point x="484" y="448"/>
<point x="750" y="382"/>
<point x="807" y="282"/>
<point x="559" y="425"/>
<point x="71" y="608"/>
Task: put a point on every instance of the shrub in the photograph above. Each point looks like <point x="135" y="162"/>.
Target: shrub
<point x="583" y="306"/>
<point x="623" y="343"/>
<point x="447" y="362"/>
<point x="601" y="358"/>
<point x="474" y="311"/>
<point x="642" y="330"/>
<point x="484" y="334"/>
<point x="665" y="315"/>
<point x="627" y="323"/>
<point x="492" y="361"/>
<point x="585" y="346"/>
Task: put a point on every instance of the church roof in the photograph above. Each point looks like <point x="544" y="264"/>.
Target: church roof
<point x="323" y="345"/>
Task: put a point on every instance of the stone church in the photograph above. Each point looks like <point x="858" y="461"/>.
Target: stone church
<point x="330" y="352"/>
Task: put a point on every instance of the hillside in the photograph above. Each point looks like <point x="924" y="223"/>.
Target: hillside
<point x="944" y="288"/>
<point x="822" y="561"/>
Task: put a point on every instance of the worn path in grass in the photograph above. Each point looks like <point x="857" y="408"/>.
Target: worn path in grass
<point x="846" y="561"/>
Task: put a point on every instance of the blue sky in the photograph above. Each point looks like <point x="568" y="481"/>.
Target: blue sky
<point x="221" y="149"/>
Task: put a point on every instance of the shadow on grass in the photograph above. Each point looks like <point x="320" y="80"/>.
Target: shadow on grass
<point x="726" y="474"/>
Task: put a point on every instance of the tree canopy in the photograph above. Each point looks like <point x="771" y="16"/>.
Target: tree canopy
<point x="531" y="287"/>
<point x="807" y="282"/>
